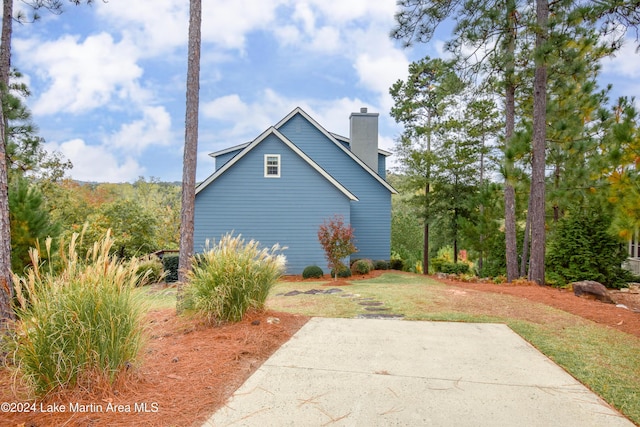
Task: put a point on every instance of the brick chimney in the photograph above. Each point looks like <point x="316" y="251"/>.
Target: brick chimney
<point x="363" y="134"/>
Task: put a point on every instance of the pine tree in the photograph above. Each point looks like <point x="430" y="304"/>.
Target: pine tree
<point x="422" y="104"/>
<point x="31" y="222"/>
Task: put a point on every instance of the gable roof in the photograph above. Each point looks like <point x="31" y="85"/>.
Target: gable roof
<point x="250" y="146"/>
<point x="331" y="138"/>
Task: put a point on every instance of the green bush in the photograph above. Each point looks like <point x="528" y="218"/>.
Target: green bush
<point x="362" y="266"/>
<point x="170" y="265"/>
<point x="345" y="272"/>
<point x="80" y="327"/>
<point x="380" y="265"/>
<point x="581" y="248"/>
<point x="150" y="270"/>
<point x="312" y="271"/>
<point x="396" y="264"/>
<point x="231" y="278"/>
<point x="451" y="267"/>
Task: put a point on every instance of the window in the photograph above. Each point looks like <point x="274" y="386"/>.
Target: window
<point x="272" y="165"/>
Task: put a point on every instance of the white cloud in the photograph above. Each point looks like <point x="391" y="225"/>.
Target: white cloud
<point x="378" y="73"/>
<point x="625" y="63"/>
<point x="341" y="11"/>
<point x="153" y="129"/>
<point x="226" y="23"/>
<point x="248" y="119"/>
<point x="154" y="30"/>
<point x="96" y="163"/>
<point x="82" y="75"/>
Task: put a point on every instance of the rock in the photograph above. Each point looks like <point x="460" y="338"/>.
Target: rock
<point x="622" y="306"/>
<point x="592" y="290"/>
<point x="292" y="293"/>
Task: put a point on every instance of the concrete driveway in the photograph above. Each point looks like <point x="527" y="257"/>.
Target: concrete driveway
<point x="369" y="372"/>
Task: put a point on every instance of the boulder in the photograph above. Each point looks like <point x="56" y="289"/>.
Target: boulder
<point x="592" y="290"/>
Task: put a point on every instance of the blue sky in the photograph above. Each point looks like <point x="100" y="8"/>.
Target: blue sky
<point x="108" y="80"/>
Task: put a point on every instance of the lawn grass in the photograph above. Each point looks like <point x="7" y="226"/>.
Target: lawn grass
<point x="158" y="298"/>
<point x="605" y="360"/>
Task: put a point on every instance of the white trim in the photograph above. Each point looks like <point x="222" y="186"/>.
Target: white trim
<point x="348" y="141"/>
<point x="373" y="173"/>
<point x="267" y="165"/>
<point x="292" y="146"/>
<point x="229" y="150"/>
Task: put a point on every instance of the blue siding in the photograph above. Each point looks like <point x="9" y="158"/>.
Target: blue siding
<point x="382" y="166"/>
<point x="286" y="210"/>
<point x="371" y="215"/>
<point x="224" y="158"/>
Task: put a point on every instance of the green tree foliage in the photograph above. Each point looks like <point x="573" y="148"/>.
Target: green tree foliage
<point x="444" y="150"/>
<point x="25" y="153"/>
<point x="336" y="238"/>
<point x="621" y="147"/>
<point x="545" y="61"/>
<point x="31" y="222"/>
<point x="133" y="228"/>
<point x="423" y="104"/>
<point x="582" y="248"/>
<point x="5" y="69"/>
<point x="144" y="216"/>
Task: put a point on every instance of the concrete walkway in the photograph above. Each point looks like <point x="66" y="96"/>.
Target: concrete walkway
<point x="364" y="372"/>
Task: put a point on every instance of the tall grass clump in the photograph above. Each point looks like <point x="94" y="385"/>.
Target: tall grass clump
<point x="232" y="277"/>
<point x="80" y="327"/>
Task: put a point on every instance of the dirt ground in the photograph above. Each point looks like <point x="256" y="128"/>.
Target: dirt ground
<point x="189" y="370"/>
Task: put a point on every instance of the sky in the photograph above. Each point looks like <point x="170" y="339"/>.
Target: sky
<point x="108" y="81"/>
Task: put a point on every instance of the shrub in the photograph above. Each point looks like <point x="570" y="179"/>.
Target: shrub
<point x="581" y="248"/>
<point x="362" y="266"/>
<point x="150" y="270"/>
<point x="380" y="265"/>
<point x="346" y="272"/>
<point x="396" y="264"/>
<point x="336" y="239"/>
<point x="231" y="278"/>
<point x="79" y="327"/>
<point x="452" y="267"/>
<point x="312" y="271"/>
<point x="170" y="265"/>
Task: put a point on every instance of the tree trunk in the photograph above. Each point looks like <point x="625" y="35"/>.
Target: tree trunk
<point x="511" y="244"/>
<point x="510" y="231"/>
<point x="525" y="243"/>
<point x="190" y="145"/>
<point x="536" y="264"/>
<point x="556" y="184"/>
<point x="6" y="285"/>
<point x="425" y="249"/>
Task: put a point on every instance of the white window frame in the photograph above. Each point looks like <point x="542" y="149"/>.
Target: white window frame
<point x="267" y="166"/>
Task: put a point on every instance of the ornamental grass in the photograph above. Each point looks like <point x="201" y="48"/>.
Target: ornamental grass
<point x="79" y="327"/>
<point x="232" y="277"/>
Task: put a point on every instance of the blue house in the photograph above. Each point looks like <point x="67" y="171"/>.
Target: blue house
<point x="280" y="188"/>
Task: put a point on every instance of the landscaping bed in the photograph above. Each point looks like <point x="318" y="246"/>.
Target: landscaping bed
<point x="189" y="370"/>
